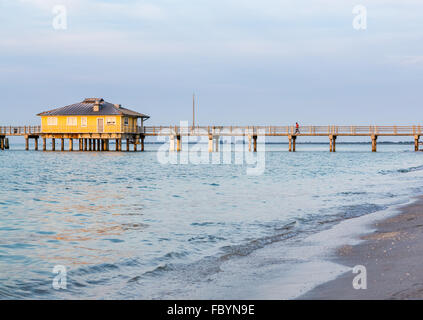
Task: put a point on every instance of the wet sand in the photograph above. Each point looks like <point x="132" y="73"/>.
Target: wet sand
<point x="392" y="255"/>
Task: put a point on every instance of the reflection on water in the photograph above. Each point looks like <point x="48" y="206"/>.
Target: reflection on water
<point x="126" y="226"/>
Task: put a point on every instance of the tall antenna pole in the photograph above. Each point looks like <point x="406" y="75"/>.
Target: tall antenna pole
<point x="193" y="110"/>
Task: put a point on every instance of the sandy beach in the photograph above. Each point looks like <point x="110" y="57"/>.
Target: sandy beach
<point x="392" y="255"/>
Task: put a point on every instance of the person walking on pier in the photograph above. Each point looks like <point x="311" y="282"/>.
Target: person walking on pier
<point x="297" y="128"/>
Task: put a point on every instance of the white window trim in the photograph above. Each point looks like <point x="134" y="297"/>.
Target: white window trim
<point x="52" y="121"/>
<point x="84" y="119"/>
<point x="73" y="123"/>
<point x="112" y="121"/>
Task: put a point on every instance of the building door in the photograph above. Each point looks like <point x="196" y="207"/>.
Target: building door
<point x="100" y="125"/>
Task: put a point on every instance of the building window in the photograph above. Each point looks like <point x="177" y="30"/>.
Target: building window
<point x="111" y="121"/>
<point x="84" y="121"/>
<point x="71" y="121"/>
<point x="52" y="121"/>
<point x="126" y="121"/>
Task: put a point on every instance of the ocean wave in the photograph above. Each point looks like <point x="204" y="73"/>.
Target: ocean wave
<point x="202" y="269"/>
<point x="402" y="170"/>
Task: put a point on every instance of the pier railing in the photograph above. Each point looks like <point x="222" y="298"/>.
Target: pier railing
<point x="13" y="130"/>
<point x="284" y="130"/>
<point x="226" y="130"/>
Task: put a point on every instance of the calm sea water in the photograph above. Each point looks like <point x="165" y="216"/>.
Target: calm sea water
<point x="125" y="226"/>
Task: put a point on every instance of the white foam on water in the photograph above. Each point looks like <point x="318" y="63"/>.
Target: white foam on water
<point x="289" y="269"/>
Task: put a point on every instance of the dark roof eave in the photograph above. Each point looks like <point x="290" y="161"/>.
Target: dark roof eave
<point x="122" y="114"/>
<point x="84" y="109"/>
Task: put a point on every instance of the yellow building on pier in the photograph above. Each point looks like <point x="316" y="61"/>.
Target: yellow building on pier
<point x="93" y="115"/>
<point x="94" y="122"/>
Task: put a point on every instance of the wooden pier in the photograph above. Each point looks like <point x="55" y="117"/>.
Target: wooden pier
<point x="100" y="141"/>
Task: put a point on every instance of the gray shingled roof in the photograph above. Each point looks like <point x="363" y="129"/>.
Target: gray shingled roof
<point x="86" y="108"/>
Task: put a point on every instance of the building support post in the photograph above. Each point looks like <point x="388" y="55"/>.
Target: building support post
<point x="127" y="145"/>
<point x="142" y="143"/>
<point x="374" y="143"/>
<point x="71" y="144"/>
<point x="44" y="144"/>
<point x="6" y="143"/>
<point x="416" y="142"/>
<point x="62" y="147"/>
<point x="135" y="144"/>
<point x="53" y="144"/>
<point x="178" y="143"/>
<point x="255" y="143"/>
<point x="1" y="143"/>
<point x="36" y="143"/>
<point x="117" y="145"/>
<point x="26" y="143"/>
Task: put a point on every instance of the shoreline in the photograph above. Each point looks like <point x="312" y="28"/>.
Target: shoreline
<point x="391" y="252"/>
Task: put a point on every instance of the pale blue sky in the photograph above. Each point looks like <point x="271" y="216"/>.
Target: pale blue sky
<point x="251" y="62"/>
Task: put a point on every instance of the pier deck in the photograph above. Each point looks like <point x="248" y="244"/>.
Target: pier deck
<point x="100" y="140"/>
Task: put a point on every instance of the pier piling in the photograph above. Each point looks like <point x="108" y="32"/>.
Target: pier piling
<point x="332" y="143"/>
<point x="171" y="143"/>
<point x="374" y="143"/>
<point x="292" y="143"/>
<point x="210" y="143"/>
<point x="249" y="143"/>
<point x="178" y="143"/>
<point x="100" y="141"/>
